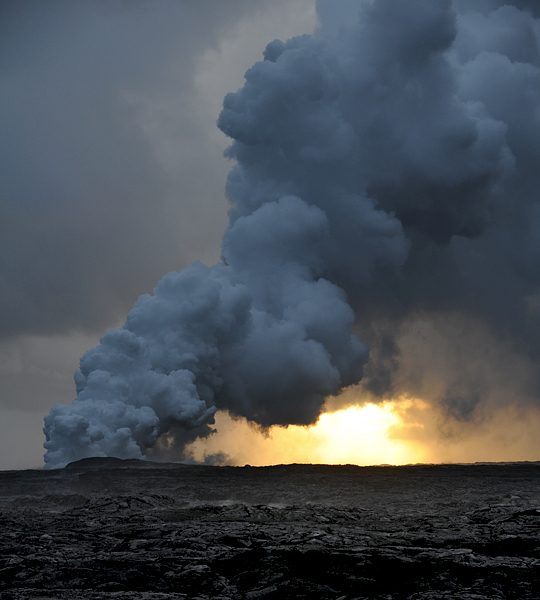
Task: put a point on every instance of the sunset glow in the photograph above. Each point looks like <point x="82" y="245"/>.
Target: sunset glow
<point x="362" y="436"/>
<point x="356" y="435"/>
<point x="400" y="432"/>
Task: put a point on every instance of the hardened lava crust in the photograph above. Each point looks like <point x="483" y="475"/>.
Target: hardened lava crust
<point x="106" y="528"/>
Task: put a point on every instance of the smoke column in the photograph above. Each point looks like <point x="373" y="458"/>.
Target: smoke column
<point x="387" y="166"/>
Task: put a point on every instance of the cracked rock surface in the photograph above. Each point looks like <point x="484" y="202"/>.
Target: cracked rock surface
<point x="105" y="528"/>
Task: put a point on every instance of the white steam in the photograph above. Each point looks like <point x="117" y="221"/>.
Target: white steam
<point x="385" y="167"/>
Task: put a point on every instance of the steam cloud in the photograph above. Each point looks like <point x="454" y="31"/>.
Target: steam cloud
<point x="386" y="167"/>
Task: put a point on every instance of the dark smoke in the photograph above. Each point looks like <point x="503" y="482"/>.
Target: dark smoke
<point x="386" y="170"/>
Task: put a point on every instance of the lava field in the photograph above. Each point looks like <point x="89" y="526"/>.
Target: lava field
<point x="106" y="528"/>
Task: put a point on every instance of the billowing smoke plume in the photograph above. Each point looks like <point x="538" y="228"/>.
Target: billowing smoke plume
<point x="386" y="167"/>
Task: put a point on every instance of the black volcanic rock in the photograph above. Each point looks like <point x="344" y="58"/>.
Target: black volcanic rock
<point x="106" y="462"/>
<point x="106" y="528"/>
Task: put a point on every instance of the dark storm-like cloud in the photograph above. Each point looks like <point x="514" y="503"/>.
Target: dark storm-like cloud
<point x="85" y="200"/>
<point x="385" y="171"/>
<point x="487" y="6"/>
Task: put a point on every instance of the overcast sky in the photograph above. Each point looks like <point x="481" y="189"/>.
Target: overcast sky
<point x="386" y="179"/>
<point x="112" y="172"/>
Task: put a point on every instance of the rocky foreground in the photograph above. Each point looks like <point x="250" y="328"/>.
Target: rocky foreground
<point x="124" y="529"/>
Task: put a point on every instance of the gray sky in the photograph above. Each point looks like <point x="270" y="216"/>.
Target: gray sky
<point x="112" y="172"/>
<point x="386" y="175"/>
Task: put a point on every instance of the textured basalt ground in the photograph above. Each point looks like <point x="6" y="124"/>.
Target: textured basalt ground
<point x="125" y="529"/>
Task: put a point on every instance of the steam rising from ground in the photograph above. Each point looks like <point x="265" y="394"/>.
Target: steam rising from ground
<point x="386" y="178"/>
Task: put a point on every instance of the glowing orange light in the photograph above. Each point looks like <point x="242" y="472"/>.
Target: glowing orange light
<point x="356" y="435"/>
<point x="361" y="435"/>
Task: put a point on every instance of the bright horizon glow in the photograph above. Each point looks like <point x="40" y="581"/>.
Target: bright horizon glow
<point x="398" y="432"/>
<point x="361" y="435"/>
<point x="355" y="435"/>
